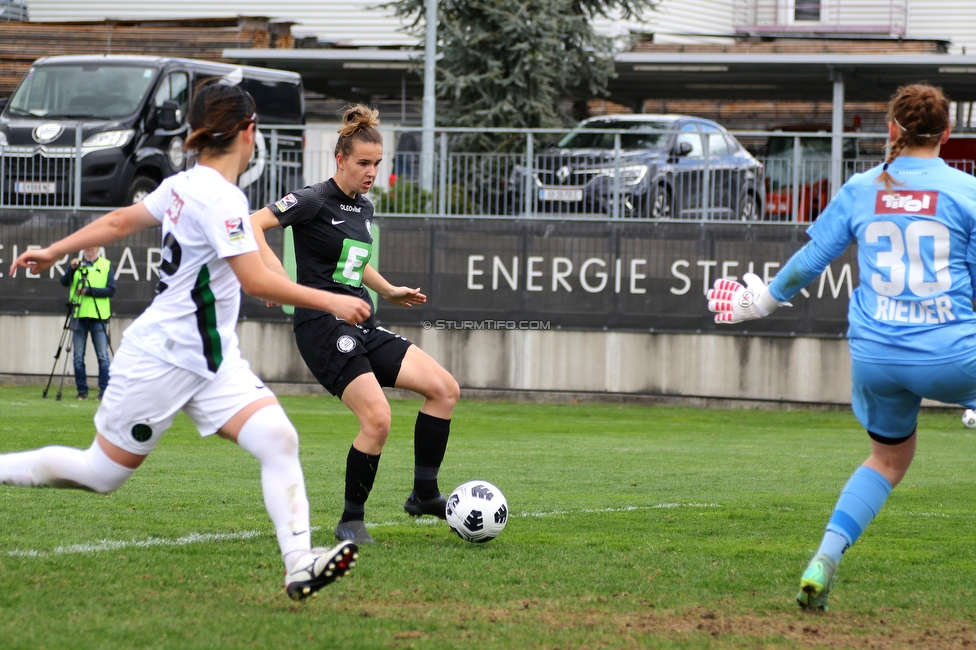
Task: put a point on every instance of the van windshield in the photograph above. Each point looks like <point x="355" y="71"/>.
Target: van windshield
<point x="642" y="135"/>
<point x="79" y="91"/>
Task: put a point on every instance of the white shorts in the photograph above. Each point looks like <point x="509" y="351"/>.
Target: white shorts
<point x="144" y="394"/>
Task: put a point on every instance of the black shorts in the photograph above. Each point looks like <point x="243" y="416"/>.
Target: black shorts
<point x="337" y="352"/>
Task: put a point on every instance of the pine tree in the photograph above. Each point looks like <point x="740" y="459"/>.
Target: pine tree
<point x="511" y="64"/>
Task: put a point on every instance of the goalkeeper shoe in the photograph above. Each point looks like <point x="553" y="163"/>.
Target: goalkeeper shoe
<point x="320" y="567"/>
<point x="416" y="507"/>
<point x="816" y="583"/>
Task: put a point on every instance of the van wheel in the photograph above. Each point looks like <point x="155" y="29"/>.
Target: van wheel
<point x="142" y="186"/>
<point x="748" y="210"/>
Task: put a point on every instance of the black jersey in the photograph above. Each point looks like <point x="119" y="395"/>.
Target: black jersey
<point x="333" y="241"/>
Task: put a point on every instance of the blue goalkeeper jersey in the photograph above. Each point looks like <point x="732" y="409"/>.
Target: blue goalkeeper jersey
<point x="916" y="258"/>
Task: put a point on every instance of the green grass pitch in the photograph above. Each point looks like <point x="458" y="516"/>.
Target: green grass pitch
<point x="630" y="527"/>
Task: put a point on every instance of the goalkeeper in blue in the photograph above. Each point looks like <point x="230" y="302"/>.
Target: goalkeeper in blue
<point x="912" y="330"/>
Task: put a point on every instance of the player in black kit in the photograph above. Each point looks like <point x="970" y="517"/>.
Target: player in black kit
<point x="333" y="244"/>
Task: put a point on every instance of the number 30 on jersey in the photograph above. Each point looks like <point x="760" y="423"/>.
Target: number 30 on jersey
<point x="927" y="272"/>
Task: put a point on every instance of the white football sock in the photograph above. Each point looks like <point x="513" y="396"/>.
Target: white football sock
<point x="270" y="437"/>
<point x="64" y="467"/>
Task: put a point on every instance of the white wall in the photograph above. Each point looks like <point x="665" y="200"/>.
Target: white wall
<point x="730" y="367"/>
<point x="944" y="19"/>
<point x="340" y="21"/>
<point x="362" y="23"/>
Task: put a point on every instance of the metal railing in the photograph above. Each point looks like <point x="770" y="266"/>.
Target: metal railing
<point x="620" y="182"/>
<point x="810" y="16"/>
<point x="787" y="180"/>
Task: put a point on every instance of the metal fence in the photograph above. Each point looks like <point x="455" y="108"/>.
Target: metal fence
<point x="756" y="176"/>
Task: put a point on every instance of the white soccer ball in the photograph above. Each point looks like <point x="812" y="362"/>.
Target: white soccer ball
<point x="969" y="419"/>
<point x="477" y="511"/>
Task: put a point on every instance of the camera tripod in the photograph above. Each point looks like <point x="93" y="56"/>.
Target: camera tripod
<point x="71" y="309"/>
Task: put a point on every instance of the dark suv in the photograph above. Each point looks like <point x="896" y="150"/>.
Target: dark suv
<point x="669" y="167"/>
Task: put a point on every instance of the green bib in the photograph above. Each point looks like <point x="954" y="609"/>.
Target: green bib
<point x="97" y="278"/>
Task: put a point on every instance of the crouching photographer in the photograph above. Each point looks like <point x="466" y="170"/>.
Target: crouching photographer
<point x="92" y="283"/>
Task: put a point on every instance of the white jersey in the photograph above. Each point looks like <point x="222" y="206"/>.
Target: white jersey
<point x="191" y="322"/>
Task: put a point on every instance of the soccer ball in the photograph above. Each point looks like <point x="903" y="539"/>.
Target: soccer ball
<point x="477" y="511"/>
<point x="969" y="419"/>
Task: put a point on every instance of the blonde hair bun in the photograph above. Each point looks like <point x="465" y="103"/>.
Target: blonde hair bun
<point x="358" y="124"/>
<point x="358" y="118"/>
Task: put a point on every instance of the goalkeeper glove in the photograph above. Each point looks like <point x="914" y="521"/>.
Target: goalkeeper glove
<point x="734" y="303"/>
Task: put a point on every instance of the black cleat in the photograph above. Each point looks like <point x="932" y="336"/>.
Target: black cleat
<point x="354" y="531"/>
<point x="320" y="567"/>
<point x="417" y="508"/>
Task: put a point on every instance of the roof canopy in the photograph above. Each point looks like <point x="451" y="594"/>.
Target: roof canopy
<point x="362" y="73"/>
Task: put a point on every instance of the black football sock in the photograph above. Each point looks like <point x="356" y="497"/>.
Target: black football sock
<point x="430" y="436"/>
<point x="360" y="474"/>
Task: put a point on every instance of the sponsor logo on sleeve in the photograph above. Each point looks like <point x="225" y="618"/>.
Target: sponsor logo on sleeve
<point x="286" y="202"/>
<point x="910" y="202"/>
<point x="235" y="228"/>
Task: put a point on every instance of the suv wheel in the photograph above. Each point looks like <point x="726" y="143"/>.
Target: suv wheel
<point x="141" y="187"/>
<point x="661" y="206"/>
<point x="748" y="210"/>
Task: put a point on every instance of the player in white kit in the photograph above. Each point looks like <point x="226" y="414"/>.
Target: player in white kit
<point x="182" y="352"/>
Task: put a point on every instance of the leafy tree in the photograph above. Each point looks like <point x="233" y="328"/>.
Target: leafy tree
<point x="510" y="64"/>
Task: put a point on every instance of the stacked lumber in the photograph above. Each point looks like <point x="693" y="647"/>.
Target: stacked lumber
<point x="21" y="43"/>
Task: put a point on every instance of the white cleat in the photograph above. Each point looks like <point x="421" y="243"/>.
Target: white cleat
<point x="320" y="567"/>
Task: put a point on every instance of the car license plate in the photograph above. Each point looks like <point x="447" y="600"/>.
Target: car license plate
<point x="561" y="194"/>
<point x="23" y="187"/>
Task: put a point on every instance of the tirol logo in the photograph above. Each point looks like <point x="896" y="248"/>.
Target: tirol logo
<point x="142" y="432"/>
<point x="346" y="343"/>
<point x="913" y="202"/>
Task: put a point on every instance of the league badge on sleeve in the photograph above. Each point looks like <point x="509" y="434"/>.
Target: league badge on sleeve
<point x="287" y="201"/>
<point x="235" y="229"/>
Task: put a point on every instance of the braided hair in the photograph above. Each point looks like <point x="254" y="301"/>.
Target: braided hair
<point x="219" y="112"/>
<point x="922" y="113"/>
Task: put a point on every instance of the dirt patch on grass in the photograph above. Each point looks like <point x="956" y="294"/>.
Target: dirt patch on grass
<point x="807" y="629"/>
<point x="564" y="626"/>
